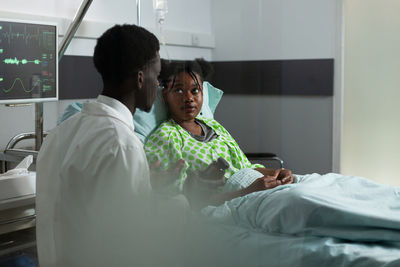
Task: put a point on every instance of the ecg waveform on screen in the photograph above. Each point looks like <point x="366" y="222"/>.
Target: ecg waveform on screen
<point x="25" y="35"/>
<point x="22" y="61"/>
<point x="36" y="84"/>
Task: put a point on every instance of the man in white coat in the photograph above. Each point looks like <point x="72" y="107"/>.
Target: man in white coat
<point x="94" y="202"/>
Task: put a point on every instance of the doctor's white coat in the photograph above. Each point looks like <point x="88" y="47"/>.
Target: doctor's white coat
<point x="94" y="202"/>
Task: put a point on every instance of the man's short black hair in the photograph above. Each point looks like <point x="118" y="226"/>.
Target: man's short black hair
<point x="123" y="50"/>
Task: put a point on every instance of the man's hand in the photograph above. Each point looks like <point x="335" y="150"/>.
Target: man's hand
<point x="272" y="178"/>
<point x="262" y="183"/>
<point x="159" y="179"/>
<point x="285" y="176"/>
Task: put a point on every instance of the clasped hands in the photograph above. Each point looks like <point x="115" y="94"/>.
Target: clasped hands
<point x="271" y="179"/>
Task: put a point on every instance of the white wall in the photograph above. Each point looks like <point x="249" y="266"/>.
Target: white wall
<point x="185" y="18"/>
<point x="299" y="129"/>
<point x="273" y="29"/>
<point x="371" y="143"/>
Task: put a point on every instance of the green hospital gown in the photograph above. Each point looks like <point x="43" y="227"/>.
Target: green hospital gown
<point x="170" y="142"/>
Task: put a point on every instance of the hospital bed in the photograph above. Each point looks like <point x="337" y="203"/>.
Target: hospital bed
<point x="265" y="158"/>
<point x="246" y="231"/>
<point x="17" y="221"/>
<point x="17" y="206"/>
<point x="16" y="150"/>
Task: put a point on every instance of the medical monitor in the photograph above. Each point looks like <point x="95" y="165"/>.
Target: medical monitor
<point x="28" y="61"/>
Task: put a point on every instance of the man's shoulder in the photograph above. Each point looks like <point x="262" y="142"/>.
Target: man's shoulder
<point x="115" y="135"/>
<point x="103" y="132"/>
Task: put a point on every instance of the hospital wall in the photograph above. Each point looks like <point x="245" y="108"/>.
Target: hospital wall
<point x="371" y="146"/>
<point x="299" y="128"/>
<point x="101" y="15"/>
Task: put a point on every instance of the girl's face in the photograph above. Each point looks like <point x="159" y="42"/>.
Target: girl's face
<point x="184" y="97"/>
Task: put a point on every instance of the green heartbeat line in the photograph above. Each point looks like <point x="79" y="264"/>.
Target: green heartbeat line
<point x="26" y="90"/>
<point x="47" y="88"/>
<point x="22" y="61"/>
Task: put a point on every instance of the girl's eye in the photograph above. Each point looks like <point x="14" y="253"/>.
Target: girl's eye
<point x="178" y="91"/>
<point x="195" y="90"/>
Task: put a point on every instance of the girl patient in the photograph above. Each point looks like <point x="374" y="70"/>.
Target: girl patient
<point x="196" y="141"/>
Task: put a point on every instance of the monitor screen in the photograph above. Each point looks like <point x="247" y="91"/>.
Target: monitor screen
<point x="28" y="62"/>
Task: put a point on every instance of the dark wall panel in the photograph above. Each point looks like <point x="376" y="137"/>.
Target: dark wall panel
<point x="275" y="77"/>
<point x="78" y="78"/>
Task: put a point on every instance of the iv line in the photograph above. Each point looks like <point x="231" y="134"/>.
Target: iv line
<point x="162" y="40"/>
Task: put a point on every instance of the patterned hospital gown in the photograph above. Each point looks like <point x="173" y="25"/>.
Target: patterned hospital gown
<point x="170" y="142"/>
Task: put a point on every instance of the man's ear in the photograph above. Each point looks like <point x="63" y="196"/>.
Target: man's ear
<point x="164" y="94"/>
<point x="140" y="79"/>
